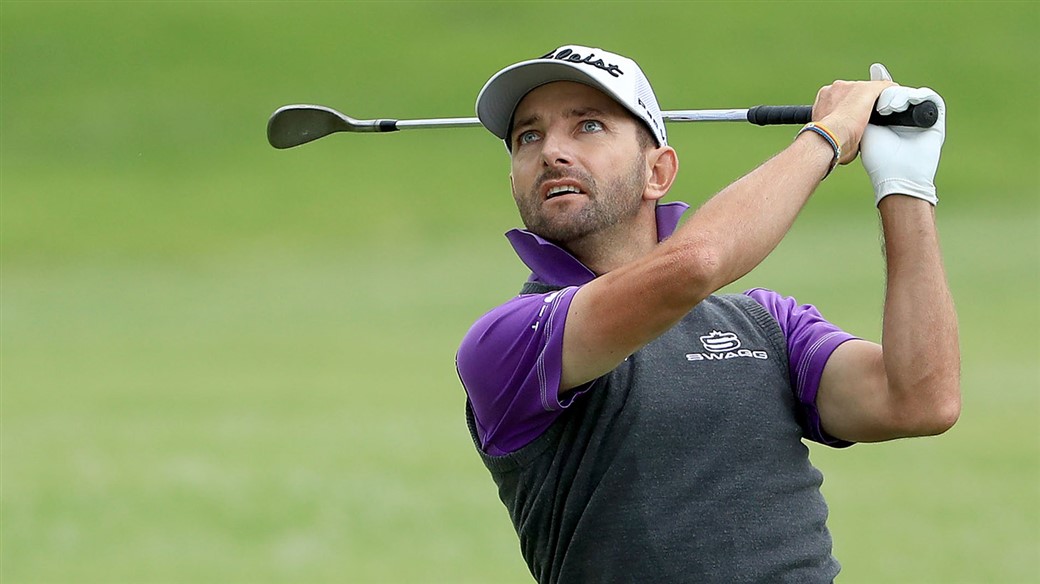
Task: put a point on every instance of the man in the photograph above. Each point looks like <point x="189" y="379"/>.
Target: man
<point x="641" y="428"/>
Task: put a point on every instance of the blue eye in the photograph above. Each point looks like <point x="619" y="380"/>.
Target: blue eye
<point x="527" y="137"/>
<point x="591" y="126"/>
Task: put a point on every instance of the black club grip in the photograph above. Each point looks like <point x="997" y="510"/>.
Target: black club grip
<point x="922" y="115"/>
<point x="773" y="115"/>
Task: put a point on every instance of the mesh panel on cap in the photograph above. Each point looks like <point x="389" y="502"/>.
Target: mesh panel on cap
<point x="647" y="99"/>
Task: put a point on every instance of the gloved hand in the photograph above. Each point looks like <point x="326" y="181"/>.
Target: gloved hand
<point x="902" y="160"/>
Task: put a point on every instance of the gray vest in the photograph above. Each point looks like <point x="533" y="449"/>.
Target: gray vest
<point x="684" y="464"/>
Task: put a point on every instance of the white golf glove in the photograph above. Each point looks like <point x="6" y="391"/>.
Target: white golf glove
<point x="899" y="159"/>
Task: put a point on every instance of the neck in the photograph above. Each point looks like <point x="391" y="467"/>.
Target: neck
<point x="611" y="248"/>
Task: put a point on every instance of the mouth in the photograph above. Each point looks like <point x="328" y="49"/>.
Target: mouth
<point x="560" y="188"/>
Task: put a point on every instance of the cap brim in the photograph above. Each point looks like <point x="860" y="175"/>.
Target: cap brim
<point x="497" y="101"/>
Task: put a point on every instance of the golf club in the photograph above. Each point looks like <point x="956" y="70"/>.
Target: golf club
<point x="293" y="125"/>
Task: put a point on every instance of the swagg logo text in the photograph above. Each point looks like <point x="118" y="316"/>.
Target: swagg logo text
<point x="721" y="346"/>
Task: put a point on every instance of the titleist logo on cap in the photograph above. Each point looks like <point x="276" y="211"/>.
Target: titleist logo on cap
<point x="569" y="55"/>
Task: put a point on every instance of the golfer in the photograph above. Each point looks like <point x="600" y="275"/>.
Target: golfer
<point x="641" y="428"/>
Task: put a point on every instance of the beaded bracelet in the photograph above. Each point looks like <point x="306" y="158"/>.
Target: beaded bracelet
<point x="829" y="137"/>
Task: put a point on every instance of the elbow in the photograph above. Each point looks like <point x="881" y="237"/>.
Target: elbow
<point x="700" y="264"/>
<point x="950" y="411"/>
<point x="942" y="417"/>
<point x="935" y="414"/>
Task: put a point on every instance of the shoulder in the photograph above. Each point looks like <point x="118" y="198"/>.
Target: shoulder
<point x="521" y="315"/>
<point x="791" y="315"/>
<point x="759" y="307"/>
<point x="514" y="331"/>
<point x="795" y="319"/>
<point x="509" y="363"/>
<point x="778" y="305"/>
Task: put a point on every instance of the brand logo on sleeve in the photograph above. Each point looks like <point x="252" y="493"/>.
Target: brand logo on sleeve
<point x="720" y="345"/>
<point x="546" y="302"/>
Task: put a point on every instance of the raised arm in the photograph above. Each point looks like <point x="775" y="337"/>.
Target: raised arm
<point x="619" y="312"/>
<point x="909" y="385"/>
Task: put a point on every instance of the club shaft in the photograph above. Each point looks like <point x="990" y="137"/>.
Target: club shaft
<point x="708" y="115"/>
<point x="437" y="123"/>
<point x="293" y="125"/>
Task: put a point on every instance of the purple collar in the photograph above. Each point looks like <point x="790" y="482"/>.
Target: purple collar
<point x="551" y="264"/>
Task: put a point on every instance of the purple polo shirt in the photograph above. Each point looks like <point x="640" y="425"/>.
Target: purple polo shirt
<point x="510" y="361"/>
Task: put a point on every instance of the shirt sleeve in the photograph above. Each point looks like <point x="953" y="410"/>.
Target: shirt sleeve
<point x="810" y="341"/>
<point x="510" y="364"/>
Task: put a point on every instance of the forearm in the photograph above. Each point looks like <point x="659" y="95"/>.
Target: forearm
<point x="727" y="237"/>
<point x="736" y="229"/>
<point x="920" y="339"/>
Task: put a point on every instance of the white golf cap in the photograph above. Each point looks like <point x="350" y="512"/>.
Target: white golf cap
<point x="617" y="76"/>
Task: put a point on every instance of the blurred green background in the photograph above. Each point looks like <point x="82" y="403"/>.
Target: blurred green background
<point x="227" y="363"/>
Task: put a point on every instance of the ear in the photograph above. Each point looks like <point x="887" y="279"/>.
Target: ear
<point x="664" y="165"/>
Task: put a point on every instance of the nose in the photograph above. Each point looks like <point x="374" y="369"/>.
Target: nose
<point x="556" y="150"/>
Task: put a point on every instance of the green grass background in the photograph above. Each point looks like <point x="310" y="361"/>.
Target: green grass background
<point x="227" y="363"/>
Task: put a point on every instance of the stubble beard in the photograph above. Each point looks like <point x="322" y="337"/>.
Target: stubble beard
<point x="620" y="199"/>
